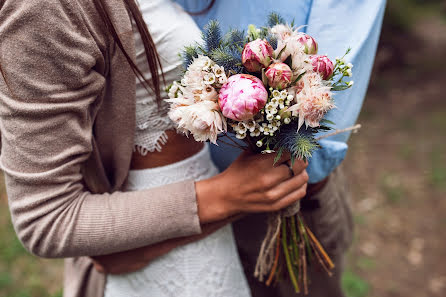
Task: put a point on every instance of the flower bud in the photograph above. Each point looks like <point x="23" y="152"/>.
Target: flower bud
<point x="242" y="97"/>
<point x="279" y="75"/>
<point x="256" y="55"/>
<point x="309" y="43"/>
<point x="322" y="65"/>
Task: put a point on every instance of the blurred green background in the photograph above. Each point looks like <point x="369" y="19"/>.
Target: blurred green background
<point x="396" y="165"/>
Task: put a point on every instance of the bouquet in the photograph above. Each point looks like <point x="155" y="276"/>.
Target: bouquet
<point x="269" y="88"/>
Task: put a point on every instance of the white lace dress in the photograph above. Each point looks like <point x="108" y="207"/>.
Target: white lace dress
<point x="211" y="266"/>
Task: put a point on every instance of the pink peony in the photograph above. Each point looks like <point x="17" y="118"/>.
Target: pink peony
<point x="279" y="75"/>
<point x="308" y="42"/>
<point x="256" y="55"/>
<point x="322" y="65"/>
<point x="242" y="97"/>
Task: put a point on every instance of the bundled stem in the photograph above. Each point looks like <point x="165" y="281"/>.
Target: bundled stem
<point x="299" y="248"/>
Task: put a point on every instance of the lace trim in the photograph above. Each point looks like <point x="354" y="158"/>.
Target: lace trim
<point x="143" y="149"/>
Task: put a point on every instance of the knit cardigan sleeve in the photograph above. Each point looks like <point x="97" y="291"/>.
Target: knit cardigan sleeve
<point x="49" y="82"/>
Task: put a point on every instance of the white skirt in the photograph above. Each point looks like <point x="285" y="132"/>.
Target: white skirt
<point x="208" y="267"/>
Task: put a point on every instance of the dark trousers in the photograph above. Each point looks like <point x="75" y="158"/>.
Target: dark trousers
<point x="332" y="224"/>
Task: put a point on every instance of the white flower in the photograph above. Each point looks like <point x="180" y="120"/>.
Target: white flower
<point x="259" y="143"/>
<point x="276" y="93"/>
<point x="218" y="70"/>
<point x="287" y="121"/>
<point x="200" y="63"/>
<point x="209" y="78"/>
<point x="203" y="119"/>
<point x="314" y="100"/>
<point x="283" y="94"/>
<point x="222" y="80"/>
<point x="173" y="90"/>
<point x="255" y="133"/>
<point x="350" y="65"/>
<point x="350" y="83"/>
<point x="269" y="117"/>
<point x="240" y="136"/>
<point x="349" y="72"/>
<point x="267" y="151"/>
<point x="289" y="97"/>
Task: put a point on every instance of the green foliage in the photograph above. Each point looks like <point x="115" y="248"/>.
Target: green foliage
<point x="275" y="19"/>
<point x="354" y="285"/>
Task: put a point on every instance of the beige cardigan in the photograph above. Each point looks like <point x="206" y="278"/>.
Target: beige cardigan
<point x="67" y="122"/>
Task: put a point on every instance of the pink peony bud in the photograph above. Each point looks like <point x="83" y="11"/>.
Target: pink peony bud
<point x="322" y="65"/>
<point x="256" y="55"/>
<point x="242" y="97"/>
<point x="309" y="43"/>
<point x="279" y="75"/>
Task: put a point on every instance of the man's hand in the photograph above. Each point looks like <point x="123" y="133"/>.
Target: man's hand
<point x="133" y="260"/>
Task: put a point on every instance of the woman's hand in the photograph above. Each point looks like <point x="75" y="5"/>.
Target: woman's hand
<point x="133" y="260"/>
<point x="251" y="184"/>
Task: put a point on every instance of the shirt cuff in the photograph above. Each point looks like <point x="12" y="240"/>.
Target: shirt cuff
<point x="325" y="159"/>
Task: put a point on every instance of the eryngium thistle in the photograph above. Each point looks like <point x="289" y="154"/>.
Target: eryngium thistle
<point x="300" y="144"/>
<point x="212" y="35"/>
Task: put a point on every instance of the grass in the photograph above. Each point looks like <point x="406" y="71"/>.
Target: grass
<point x="354" y="285"/>
<point x="22" y="274"/>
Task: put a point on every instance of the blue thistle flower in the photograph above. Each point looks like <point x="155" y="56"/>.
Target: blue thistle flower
<point x="300" y="144"/>
<point x="235" y="37"/>
<point x="212" y="35"/>
<point x="228" y="57"/>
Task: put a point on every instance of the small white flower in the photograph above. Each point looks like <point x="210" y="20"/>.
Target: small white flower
<point x="278" y="117"/>
<point x="276" y="93"/>
<point x="218" y="70"/>
<point x="275" y="101"/>
<point x="250" y="125"/>
<point x="349" y="72"/>
<point x="273" y="111"/>
<point x="350" y="65"/>
<point x="269" y="117"/>
<point x="287" y="121"/>
<point x="222" y="79"/>
<point x="240" y="136"/>
<point x="289" y="97"/>
<point x="281" y="106"/>
<point x="209" y="78"/>
<point x="259" y="143"/>
<point x="283" y="94"/>
<point x="267" y="151"/>
<point x="241" y="128"/>
<point x="350" y="83"/>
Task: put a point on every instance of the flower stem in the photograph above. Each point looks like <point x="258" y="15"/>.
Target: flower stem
<point x="287" y="258"/>
<point x="276" y="261"/>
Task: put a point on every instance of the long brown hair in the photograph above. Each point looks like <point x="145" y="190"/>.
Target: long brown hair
<point x="149" y="46"/>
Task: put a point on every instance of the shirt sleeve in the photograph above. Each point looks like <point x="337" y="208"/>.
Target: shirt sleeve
<point x="49" y="82"/>
<point x="337" y="25"/>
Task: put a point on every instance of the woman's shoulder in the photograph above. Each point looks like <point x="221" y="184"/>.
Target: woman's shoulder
<point x="82" y="14"/>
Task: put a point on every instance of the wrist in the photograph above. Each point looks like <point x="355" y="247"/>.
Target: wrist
<point x="211" y="204"/>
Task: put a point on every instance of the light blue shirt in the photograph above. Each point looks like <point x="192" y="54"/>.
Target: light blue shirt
<point x="336" y="25"/>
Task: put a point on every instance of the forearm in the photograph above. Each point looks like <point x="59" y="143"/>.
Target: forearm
<point x="80" y="223"/>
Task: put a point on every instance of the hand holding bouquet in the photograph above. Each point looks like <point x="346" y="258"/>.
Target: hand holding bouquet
<point x="272" y="90"/>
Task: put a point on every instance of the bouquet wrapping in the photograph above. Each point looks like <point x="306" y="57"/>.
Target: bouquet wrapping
<point x="270" y="88"/>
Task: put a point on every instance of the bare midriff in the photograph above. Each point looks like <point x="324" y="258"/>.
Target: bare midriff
<point x="177" y="148"/>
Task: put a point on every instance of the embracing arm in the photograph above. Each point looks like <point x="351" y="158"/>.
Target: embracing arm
<point x="337" y="25"/>
<point x="51" y="79"/>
